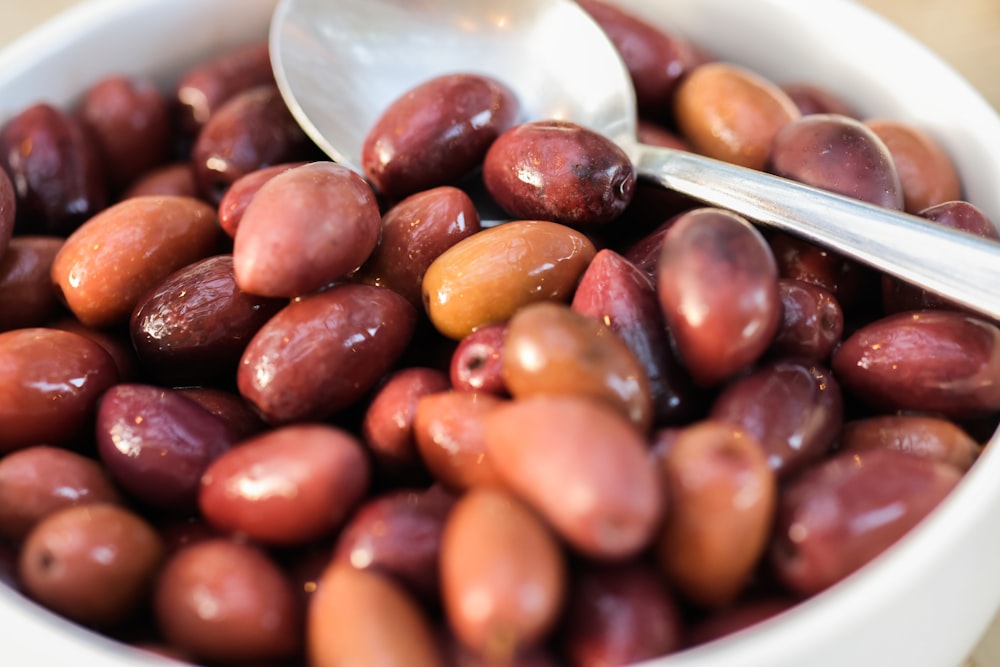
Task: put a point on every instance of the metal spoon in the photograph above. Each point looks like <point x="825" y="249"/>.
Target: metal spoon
<point x="340" y="63"/>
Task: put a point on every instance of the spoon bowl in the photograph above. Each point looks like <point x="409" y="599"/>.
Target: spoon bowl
<point x="339" y="64"/>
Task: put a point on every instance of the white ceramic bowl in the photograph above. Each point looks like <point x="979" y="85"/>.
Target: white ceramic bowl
<point x="927" y="600"/>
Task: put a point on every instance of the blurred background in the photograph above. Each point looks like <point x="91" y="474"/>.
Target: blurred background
<point x="963" y="32"/>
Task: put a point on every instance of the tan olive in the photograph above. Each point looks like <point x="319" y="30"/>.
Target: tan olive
<point x="109" y="263"/>
<point x="583" y="466"/>
<point x="503" y="574"/>
<point x="926" y="172"/>
<point x="488" y="276"/>
<point x="730" y="113"/>
<point x="552" y="349"/>
<point x="361" y="617"/>
<point x="448" y="430"/>
<point x="922" y="435"/>
<point x="722" y="495"/>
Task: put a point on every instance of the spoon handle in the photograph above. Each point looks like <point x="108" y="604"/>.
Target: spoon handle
<point x="953" y="264"/>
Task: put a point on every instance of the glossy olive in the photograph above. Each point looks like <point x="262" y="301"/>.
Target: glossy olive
<point x="721" y="496"/>
<point x="927" y="175"/>
<point x="304" y="229"/>
<point x="842" y="513"/>
<point x="583" y="466"/>
<point x="321" y="353"/>
<point x="448" y="430"/>
<point x="559" y="171"/>
<point x="398" y="533"/>
<point x="931" y="360"/>
<point x="414" y="232"/>
<point x="477" y="362"/>
<point x="208" y="84"/>
<point x="238" y="196"/>
<point x="731" y="113"/>
<point x="436" y="132"/>
<point x="718" y="287"/>
<point x="362" y="617"/>
<point x="812" y="321"/>
<point x="156" y="443"/>
<point x="50" y="384"/>
<point x="113" y="259"/>
<point x="27" y="296"/>
<point x="920" y="435"/>
<point x="251" y="130"/>
<point x="487" y="277"/>
<point x="38" y="481"/>
<point x="129" y="119"/>
<point x="254" y="612"/>
<point x="387" y="425"/>
<point x="551" y="349"/>
<point x="839" y="154"/>
<point x="793" y="408"/>
<point x="623" y="297"/>
<point x="288" y="486"/>
<point x="192" y="327"/>
<point x="59" y="175"/>
<point x="620" y="614"/>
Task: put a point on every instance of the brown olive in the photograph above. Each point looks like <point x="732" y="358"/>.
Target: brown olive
<point x="721" y="499"/>
<point x="448" y="430"/>
<point x="321" y="353"/>
<point x="503" y="574"/>
<point x="839" y="154"/>
<point x="56" y="166"/>
<point x="106" y="266"/>
<point x="583" y="466"/>
<point x="251" y="130"/>
<point x="931" y="360"/>
<point x="50" y="384"/>
<point x="40" y="480"/>
<point x="227" y="603"/>
<point x="839" y="515"/>
<point x="129" y="119"/>
<point x="549" y="348"/>
<point x="287" y="486"/>
<point x="93" y="563"/>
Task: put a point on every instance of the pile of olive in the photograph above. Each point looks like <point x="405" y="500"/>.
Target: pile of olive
<point x="258" y="409"/>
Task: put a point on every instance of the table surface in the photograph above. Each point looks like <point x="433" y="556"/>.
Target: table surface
<point x="963" y="32"/>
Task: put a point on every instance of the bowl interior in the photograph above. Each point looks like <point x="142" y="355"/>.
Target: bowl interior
<point x="927" y="600"/>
